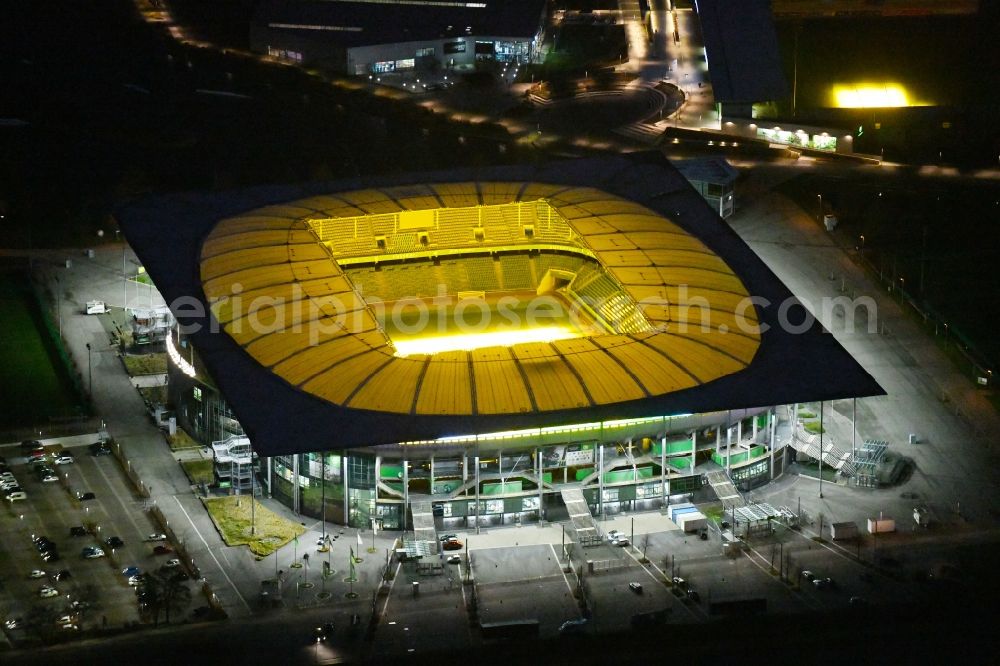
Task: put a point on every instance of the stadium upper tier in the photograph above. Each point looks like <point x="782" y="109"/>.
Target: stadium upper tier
<point x="677" y="315"/>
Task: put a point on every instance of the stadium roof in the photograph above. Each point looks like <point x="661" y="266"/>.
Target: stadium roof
<point x="271" y="254"/>
<point x="742" y="50"/>
<point x="352" y="23"/>
<point x="636" y="214"/>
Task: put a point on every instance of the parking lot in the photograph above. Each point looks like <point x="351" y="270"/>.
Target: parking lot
<point x="90" y="592"/>
<point x="524" y="583"/>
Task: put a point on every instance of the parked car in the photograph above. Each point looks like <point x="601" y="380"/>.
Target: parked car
<point x="14" y="623"/>
<point x="621" y="541"/>
<point x="162" y="550"/>
<point x="37" y="455"/>
<point x="131" y="571"/>
<point x="808" y="575"/>
<point x="635" y="587"/>
<point x="680" y="582"/>
<point x="172" y="563"/>
<point x="62" y="575"/>
<point x="114" y="542"/>
<point x="91" y="552"/>
<point x="100" y="449"/>
<point x="454" y="559"/>
<point x="447" y="537"/>
<point x="156" y="536"/>
<point x="77" y="531"/>
<point x="47" y="592"/>
<point x="134" y="580"/>
<point x="36" y="573"/>
<point x="452" y="545"/>
<point x="86" y="496"/>
<point x="49" y="478"/>
<point x="31" y="445"/>
<point x="613" y="534"/>
<point x="64" y="459"/>
<point x="578" y="626"/>
<point x="51" y="555"/>
<point x="17" y="496"/>
<point x="693" y="596"/>
<point x="823" y="583"/>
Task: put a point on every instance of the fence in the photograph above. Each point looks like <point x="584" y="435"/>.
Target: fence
<point x="972" y="361"/>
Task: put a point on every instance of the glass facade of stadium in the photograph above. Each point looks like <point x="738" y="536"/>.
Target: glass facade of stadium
<point x="498" y="478"/>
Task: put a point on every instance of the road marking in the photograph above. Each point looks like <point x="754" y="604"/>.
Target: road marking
<point x="217" y="563"/>
<point x="808" y="601"/>
<point x="111" y="486"/>
<point x="698" y="615"/>
<point x="392" y="585"/>
<point x="561" y="570"/>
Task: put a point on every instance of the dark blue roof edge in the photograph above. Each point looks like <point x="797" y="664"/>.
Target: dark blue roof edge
<point x="787" y="368"/>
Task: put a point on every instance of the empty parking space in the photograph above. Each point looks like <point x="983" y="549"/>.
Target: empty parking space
<point x="614" y="603"/>
<point x="523" y="583"/>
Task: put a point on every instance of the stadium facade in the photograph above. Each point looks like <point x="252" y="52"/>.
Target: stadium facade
<point x="371" y="340"/>
<point x="362" y="37"/>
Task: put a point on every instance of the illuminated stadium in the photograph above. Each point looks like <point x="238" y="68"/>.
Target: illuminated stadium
<point x="481" y="343"/>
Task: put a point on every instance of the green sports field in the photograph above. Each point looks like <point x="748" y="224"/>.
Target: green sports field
<point x="35" y="385"/>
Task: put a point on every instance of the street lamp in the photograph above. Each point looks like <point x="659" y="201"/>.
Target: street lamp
<point x="90" y="374"/>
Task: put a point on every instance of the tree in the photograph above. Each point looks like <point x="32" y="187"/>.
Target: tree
<point x="162" y="591"/>
<point x="174" y="594"/>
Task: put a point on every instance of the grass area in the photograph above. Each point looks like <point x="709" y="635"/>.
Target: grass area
<point x="156" y="395"/>
<point x="182" y="440"/>
<point x="199" y="471"/>
<point x="814" y="427"/>
<point x="812" y="469"/>
<point x="806" y="414"/>
<point x="34" y="381"/>
<point x="146" y="364"/>
<point x="233" y="520"/>
<point x="713" y="512"/>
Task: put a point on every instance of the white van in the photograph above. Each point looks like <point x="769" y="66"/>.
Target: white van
<point x="18" y="496"/>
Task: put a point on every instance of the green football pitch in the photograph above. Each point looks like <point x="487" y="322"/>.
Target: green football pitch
<point x="35" y="385"/>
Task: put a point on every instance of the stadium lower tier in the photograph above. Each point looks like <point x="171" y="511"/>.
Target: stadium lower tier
<point x="491" y="479"/>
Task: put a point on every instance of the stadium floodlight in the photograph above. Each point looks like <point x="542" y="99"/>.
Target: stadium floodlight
<point x="470" y="341"/>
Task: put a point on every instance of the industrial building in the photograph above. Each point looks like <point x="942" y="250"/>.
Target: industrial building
<point x="362" y="37"/>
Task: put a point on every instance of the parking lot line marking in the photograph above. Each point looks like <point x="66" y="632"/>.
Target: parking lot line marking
<point x="392" y="584"/>
<point x="561" y="570"/>
<point x="217" y="563"/>
<point x="805" y="599"/>
<point x="111" y="486"/>
<point x="697" y="615"/>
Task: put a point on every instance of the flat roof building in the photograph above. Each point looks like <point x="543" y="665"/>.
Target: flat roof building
<point x="361" y="37"/>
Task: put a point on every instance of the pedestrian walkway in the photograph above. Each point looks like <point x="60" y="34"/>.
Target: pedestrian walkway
<point x="724" y="488"/>
<point x="423" y="522"/>
<point x="584" y="527"/>
<point x="833" y="456"/>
